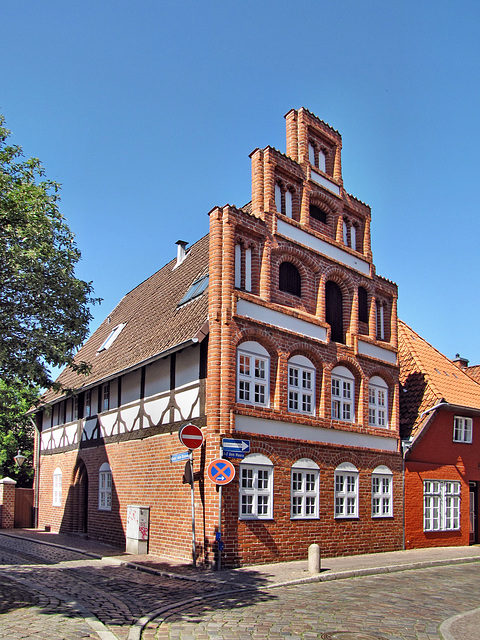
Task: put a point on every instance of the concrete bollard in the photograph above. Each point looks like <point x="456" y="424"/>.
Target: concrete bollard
<point x="314" y="558"/>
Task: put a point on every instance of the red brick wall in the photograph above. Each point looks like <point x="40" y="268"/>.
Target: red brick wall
<point x="436" y="457"/>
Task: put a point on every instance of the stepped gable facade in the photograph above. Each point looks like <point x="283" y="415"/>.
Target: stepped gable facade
<point x="440" y="429"/>
<point x="274" y="331"/>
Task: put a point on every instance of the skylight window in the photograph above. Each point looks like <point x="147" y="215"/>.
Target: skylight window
<point x="197" y="288"/>
<point x="111" y="338"/>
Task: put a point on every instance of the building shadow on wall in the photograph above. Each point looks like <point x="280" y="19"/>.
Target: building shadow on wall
<point x="411" y="397"/>
<point x="85" y="513"/>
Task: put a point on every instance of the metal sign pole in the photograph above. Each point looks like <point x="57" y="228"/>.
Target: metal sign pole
<point x="194" y="551"/>
<point x="219" y="536"/>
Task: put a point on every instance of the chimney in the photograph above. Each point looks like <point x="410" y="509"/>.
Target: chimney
<point x="461" y="363"/>
<point x="181" y="251"/>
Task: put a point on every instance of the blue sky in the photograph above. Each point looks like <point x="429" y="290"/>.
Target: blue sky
<point x="146" y="112"/>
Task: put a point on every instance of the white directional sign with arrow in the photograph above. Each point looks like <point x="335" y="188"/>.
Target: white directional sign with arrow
<point x="235" y="448"/>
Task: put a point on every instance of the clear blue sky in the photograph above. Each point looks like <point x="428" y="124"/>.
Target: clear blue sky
<point x="147" y="111"/>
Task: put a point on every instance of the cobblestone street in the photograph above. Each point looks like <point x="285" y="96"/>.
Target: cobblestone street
<point x="50" y="592"/>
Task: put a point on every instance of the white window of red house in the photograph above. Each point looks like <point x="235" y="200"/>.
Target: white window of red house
<point x="253" y="374"/>
<point x="105" y="487"/>
<point x="441" y="505"/>
<point x="346" y="491"/>
<point x="301" y="385"/>
<point x="382" y="492"/>
<point x="256" y="488"/>
<point x="57" y="488"/>
<point x="343" y="394"/>
<point x="462" y="429"/>
<point x="305" y="485"/>
<point x="377" y="402"/>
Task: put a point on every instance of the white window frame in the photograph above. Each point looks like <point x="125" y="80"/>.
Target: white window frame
<point x="88" y="404"/>
<point x="377" y="402"/>
<point x="301" y="386"/>
<point x="253" y="374"/>
<point x="346" y="491"/>
<point x="105" y="483"/>
<point x="304" y="490"/>
<point x="57" y="488"/>
<point x="441" y="505"/>
<point x="462" y="429"/>
<point x="255" y="488"/>
<point x="343" y="394"/>
<point x="105" y="396"/>
<point x="382" y="492"/>
<point x="288" y="203"/>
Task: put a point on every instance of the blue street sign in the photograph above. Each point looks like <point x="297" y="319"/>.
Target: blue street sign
<point x="232" y="444"/>
<point x="177" y="457"/>
<point x="237" y="455"/>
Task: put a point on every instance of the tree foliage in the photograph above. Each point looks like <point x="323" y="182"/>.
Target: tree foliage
<point x="16" y="432"/>
<point x="44" y="308"/>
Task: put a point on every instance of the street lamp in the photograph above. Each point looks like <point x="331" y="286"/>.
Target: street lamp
<point x="19" y="459"/>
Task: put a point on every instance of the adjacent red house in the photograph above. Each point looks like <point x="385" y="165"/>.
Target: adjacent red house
<point x="440" y="430"/>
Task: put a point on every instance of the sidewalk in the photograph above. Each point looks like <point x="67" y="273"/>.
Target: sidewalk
<point x="463" y="627"/>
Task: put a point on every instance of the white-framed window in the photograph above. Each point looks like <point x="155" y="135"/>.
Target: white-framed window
<point x="311" y="153"/>
<point x="301" y="385"/>
<point x="105" y="487"/>
<point x="441" y="505"/>
<point x="75" y="408"/>
<point x="256" y="488"/>
<point x="253" y="374"/>
<point x="305" y="486"/>
<point x="343" y="394"/>
<point x="57" y="488"/>
<point x="462" y="429"/>
<point x="382" y="492"/>
<point x="346" y="491"/>
<point x="377" y="402"/>
<point x="105" y="396"/>
<point x="88" y="404"/>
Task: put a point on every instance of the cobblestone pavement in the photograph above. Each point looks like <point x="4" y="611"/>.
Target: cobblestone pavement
<point x="400" y="606"/>
<point x="57" y="593"/>
<point x="115" y="594"/>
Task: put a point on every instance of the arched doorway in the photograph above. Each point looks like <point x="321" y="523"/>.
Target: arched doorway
<point x="80" y="499"/>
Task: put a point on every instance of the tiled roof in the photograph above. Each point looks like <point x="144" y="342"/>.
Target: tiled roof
<point x="474" y="372"/>
<point x="428" y="377"/>
<point x="153" y="322"/>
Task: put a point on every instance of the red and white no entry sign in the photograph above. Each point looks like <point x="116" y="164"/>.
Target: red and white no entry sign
<point x="221" y="471"/>
<point x="190" y="436"/>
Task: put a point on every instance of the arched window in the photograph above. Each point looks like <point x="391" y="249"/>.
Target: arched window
<point x="362" y="305"/>
<point x="346" y="491"/>
<point x="289" y="279"/>
<point x="256" y="488"/>
<point x="253" y="374"/>
<point x="343" y="394"/>
<point x="334" y="310"/>
<point x="301" y="385"/>
<point x="377" y="402"/>
<point x="382" y="493"/>
<point x="243" y="267"/>
<point x="105" y="488"/>
<point x="284" y="199"/>
<point x="57" y="488"/>
<point x="305" y="486"/>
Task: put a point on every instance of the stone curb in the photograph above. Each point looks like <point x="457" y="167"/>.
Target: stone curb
<point x="445" y="627"/>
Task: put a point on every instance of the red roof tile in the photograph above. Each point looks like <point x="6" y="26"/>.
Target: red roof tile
<point x="428" y="377"/>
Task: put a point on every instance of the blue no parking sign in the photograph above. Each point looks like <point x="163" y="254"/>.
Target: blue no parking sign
<point x="221" y="471"/>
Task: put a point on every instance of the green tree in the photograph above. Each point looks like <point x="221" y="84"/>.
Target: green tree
<point x="44" y="308"/>
<point x="16" y="432"/>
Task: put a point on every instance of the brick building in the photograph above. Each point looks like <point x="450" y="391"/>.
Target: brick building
<point x="440" y="427"/>
<point x="275" y="329"/>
